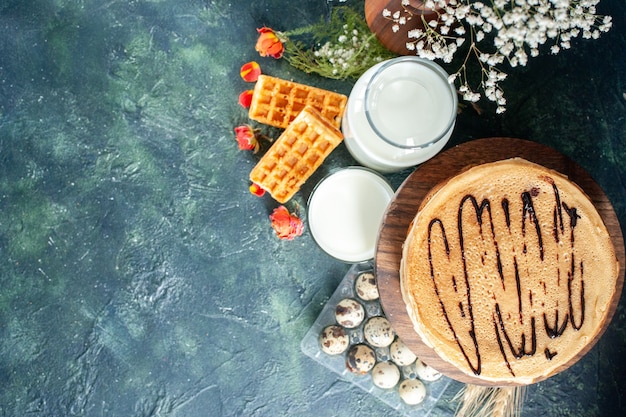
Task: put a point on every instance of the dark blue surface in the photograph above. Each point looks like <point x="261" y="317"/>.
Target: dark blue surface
<point x="139" y="277"/>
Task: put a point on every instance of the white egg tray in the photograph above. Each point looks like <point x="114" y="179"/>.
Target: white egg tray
<point x="337" y="363"/>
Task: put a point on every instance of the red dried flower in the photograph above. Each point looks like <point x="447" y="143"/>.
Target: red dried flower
<point x="286" y="225"/>
<point x="250" y="71"/>
<point x="269" y="44"/>
<point x="246" y="138"/>
<point x="257" y="190"/>
<point x="245" y="98"/>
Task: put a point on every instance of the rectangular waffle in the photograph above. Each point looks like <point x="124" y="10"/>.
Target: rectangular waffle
<point x="277" y="102"/>
<point x="296" y="154"/>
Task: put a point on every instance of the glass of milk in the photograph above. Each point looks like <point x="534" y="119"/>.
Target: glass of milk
<point x="400" y="113"/>
<point x="345" y="212"/>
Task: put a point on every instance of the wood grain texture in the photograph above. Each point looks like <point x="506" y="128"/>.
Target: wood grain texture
<point x="382" y="27"/>
<point x="409" y="195"/>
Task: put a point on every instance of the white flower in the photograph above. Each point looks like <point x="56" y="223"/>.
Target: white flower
<point x="517" y="28"/>
<point x="471" y="96"/>
<point x="414" y="33"/>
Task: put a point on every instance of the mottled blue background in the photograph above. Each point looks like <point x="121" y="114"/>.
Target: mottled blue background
<point x="138" y="277"/>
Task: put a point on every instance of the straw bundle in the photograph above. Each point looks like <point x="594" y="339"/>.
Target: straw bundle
<point x="480" y="401"/>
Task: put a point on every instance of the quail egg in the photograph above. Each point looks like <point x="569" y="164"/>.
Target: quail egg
<point x="378" y="332"/>
<point x="360" y="359"/>
<point x="349" y="313"/>
<point x="385" y="375"/>
<point x="334" y="340"/>
<point x="365" y="286"/>
<point x="412" y="391"/>
<point x="401" y="354"/>
<point x="425" y="372"/>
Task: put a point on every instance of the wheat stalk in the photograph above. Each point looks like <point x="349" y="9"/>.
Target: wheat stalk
<point x="480" y="401"/>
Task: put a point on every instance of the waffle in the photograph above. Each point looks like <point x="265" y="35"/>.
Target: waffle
<point x="277" y="102"/>
<point x="296" y="154"/>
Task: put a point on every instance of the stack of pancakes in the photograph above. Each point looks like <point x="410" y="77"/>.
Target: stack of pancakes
<point x="508" y="271"/>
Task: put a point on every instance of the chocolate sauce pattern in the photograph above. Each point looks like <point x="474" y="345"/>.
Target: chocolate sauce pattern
<point x="527" y="344"/>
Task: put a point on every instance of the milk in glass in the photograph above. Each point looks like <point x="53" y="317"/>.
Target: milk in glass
<point x="400" y="113"/>
<point x="345" y="212"/>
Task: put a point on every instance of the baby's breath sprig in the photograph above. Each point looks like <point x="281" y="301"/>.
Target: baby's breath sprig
<point x="342" y="48"/>
<point x="495" y="33"/>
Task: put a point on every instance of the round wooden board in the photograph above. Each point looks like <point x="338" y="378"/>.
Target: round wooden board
<point x="391" y="35"/>
<point x="409" y="195"/>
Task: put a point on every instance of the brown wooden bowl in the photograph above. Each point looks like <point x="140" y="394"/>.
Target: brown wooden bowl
<point x="383" y="27"/>
<point x="409" y="195"/>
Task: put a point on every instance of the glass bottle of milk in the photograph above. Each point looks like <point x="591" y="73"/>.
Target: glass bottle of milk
<point x="400" y="113"/>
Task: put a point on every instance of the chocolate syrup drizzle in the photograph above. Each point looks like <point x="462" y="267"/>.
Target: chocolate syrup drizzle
<point x="526" y="345"/>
